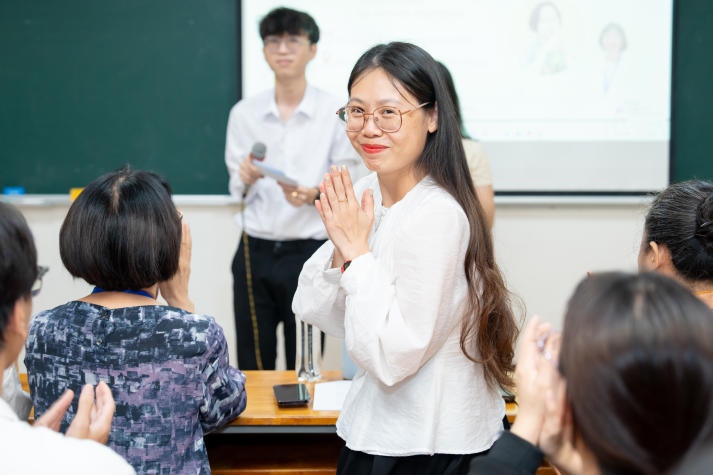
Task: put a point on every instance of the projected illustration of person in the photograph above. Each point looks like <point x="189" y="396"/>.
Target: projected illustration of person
<point x="546" y="53"/>
<point x="613" y="42"/>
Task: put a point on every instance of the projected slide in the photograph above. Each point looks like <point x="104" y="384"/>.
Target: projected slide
<point x="565" y="95"/>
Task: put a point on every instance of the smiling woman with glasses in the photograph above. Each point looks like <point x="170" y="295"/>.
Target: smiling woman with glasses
<point x="409" y="279"/>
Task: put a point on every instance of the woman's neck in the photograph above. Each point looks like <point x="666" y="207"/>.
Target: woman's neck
<point x="702" y="289"/>
<point x="395" y="186"/>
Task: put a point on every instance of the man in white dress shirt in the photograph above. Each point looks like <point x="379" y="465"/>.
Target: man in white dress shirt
<point x="40" y="449"/>
<point x="297" y="123"/>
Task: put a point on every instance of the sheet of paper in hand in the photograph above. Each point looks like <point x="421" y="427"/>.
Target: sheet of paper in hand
<point x="278" y="175"/>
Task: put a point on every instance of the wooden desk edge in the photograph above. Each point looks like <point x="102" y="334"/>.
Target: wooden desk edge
<point x="302" y="416"/>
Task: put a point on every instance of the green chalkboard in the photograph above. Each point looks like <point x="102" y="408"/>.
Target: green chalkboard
<point x="87" y="86"/>
<point x="692" y="111"/>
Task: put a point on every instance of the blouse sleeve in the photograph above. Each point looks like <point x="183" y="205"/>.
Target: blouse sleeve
<point x="399" y="315"/>
<point x="319" y="299"/>
<point x="224" y="394"/>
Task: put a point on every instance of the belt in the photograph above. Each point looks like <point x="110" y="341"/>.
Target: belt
<point x="293" y="245"/>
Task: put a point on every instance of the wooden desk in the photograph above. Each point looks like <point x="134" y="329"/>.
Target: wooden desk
<point x="268" y="439"/>
<point x="264" y="415"/>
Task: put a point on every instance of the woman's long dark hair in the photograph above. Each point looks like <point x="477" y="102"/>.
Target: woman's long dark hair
<point x="489" y="328"/>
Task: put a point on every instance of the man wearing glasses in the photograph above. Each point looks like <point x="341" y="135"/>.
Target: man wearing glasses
<point x="295" y="126"/>
<point x="39" y="449"/>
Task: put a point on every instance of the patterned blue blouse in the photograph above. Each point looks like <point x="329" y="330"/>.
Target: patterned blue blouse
<point x="168" y="371"/>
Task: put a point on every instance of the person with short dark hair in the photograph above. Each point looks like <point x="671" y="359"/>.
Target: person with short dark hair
<point x="409" y="278"/>
<point x="627" y="389"/>
<point x="678" y="236"/>
<point x="40" y="449"/>
<point x="167" y="365"/>
<point x="295" y="123"/>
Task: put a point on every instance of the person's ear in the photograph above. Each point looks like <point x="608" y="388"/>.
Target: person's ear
<point x="312" y="51"/>
<point x="433" y="119"/>
<point x="659" y="256"/>
<point x="18" y="321"/>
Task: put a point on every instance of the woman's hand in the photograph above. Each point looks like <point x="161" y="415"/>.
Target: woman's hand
<point x="557" y="435"/>
<point x="175" y="289"/>
<point x="531" y="380"/>
<point x="93" y="417"/>
<point x="52" y="417"/>
<point x="348" y="222"/>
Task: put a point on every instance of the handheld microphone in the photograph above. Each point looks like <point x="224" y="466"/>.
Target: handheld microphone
<point x="256" y="153"/>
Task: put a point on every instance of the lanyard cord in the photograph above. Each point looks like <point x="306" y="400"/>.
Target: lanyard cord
<point x="127" y="291"/>
<point x="249" y="283"/>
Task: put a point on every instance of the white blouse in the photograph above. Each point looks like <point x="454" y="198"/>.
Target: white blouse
<point x="399" y="309"/>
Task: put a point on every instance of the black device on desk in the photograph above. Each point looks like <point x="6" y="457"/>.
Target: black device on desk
<point x="291" y="395"/>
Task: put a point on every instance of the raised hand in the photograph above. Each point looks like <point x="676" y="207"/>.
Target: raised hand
<point x="52" y="418"/>
<point x="530" y="380"/>
<point x="94" y="416"/>
<point x="557" y="434"/>
<point x="175" y="289"/>
<point x="348" y="221"/>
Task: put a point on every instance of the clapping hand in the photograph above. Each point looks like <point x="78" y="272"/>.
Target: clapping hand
<point x="348" y="221"/>
<point x="95" y="412"/>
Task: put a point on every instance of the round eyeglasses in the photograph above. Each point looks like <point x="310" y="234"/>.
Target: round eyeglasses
<point x="293" y="42"/>
<point x="37" y="285"/>
<point x="387" y="118"/>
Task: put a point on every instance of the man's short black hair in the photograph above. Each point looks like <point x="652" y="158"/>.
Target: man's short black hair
<point x="285" y="20"/>
<point x="18" y="262"/>
<point x="122" y="232"/>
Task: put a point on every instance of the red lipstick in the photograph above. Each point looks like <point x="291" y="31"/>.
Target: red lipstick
<point x="372" y="148"/>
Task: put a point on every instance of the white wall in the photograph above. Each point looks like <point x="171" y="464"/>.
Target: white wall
<point x="544" y="248"/>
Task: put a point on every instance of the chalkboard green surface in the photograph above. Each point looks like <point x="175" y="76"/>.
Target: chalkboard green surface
<point x="87" y="86"/>
<point x="692" y="114"/>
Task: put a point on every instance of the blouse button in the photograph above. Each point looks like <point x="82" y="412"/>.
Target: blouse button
<point x="99" y="341"/>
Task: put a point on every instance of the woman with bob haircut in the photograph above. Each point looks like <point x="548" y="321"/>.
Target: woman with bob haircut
<point x="678" y="236"/>
<point x="166" y="365"/>
<point x="409" y="279"/>
<point x="39" y="448"/>
<point x="632" y="392"/>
